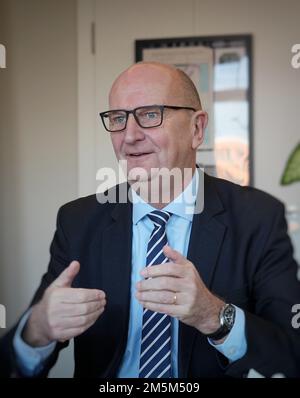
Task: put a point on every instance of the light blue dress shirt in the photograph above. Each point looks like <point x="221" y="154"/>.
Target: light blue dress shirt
<point x="30" y="360"/>
<point x="178" y="231"/>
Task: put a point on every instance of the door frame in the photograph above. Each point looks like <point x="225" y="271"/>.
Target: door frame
<point x="86" y="96"/>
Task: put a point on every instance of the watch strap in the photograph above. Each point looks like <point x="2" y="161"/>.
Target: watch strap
<point x="225" y="327"/>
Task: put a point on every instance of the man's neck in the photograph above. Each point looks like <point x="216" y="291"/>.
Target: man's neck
<point x="164" y="188"/>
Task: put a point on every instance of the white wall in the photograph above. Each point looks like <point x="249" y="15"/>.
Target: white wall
<point x="38" y="141"/>
<point x="38" y="152"/>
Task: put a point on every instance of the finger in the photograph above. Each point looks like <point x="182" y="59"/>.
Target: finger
<point x="174" y="255"/>
<point x="160" y="283"/>
<point x="167" y="269"/>
<point x="163" y="297"/>
<point x="68" y="334"/>
<point x="66" y="278"/>
<point x="79" y="295"/>
<point x="80" y="321"/>
<point x="70" y="310"/>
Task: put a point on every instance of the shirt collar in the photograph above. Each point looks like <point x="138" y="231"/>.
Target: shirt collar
<point x="183" y="206"/>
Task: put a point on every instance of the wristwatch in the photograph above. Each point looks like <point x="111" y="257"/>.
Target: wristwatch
<point x="226" y="318"/>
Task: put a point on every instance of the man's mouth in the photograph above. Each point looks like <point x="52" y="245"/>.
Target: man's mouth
<point x="137" y="154"/>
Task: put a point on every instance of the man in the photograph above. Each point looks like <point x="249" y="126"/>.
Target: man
<point x="149" y="289"/>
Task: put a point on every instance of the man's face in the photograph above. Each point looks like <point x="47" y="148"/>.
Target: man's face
<point x="168" y="145"/>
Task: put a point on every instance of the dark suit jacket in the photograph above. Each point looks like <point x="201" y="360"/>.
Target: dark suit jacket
<point x="241" y="249"/>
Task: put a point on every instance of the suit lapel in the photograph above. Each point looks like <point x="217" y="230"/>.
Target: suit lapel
<point x="204" y="247"/>
<point x="116" y="276"/>
<point x="116" y="252"/>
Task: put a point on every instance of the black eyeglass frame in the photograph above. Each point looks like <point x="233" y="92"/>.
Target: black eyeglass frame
<point x="133" y="111"/>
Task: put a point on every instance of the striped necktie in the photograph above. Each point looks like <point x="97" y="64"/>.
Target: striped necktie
<point x="155" y="359"/>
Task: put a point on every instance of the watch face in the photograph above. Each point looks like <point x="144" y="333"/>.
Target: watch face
<point x="229" y="315"/>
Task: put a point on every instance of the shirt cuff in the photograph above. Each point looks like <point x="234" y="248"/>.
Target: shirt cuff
<point x="30" y="360"/>
<point x="235" y="345"/>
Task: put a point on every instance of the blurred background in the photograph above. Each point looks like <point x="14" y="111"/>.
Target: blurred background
<point x="61" y="58"/>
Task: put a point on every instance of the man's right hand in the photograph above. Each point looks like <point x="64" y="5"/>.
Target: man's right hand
<point x="63" y="312"/>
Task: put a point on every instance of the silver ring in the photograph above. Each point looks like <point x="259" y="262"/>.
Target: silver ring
<point x="175" y="299"/>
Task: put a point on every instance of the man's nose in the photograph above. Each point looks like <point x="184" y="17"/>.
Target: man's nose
<point x="133" y="131"/>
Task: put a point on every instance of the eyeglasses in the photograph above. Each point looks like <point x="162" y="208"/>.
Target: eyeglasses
<point x="145" y="116"/>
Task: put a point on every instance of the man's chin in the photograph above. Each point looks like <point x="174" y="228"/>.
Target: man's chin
<point x="139" y="174"/>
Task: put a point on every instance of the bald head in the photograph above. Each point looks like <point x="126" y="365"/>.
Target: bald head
<point x="190" y="92"/>
<point x="177" y="83"/>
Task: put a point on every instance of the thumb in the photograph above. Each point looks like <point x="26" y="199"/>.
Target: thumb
<point x="66" y="278"/>
<point x="173" y="255"/>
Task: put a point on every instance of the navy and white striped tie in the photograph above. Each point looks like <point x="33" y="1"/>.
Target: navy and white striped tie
<point x="155" y="359"/>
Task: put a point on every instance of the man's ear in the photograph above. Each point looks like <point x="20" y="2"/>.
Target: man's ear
<point x="199" y="123"/>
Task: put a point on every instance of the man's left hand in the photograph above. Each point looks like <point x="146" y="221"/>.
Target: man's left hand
<point x="176" y="288"/>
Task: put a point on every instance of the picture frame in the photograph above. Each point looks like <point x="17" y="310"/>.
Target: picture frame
<point x="221" y="69"/>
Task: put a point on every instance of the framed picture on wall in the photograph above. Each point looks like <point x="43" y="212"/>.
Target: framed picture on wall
<point x="221" y="69"/>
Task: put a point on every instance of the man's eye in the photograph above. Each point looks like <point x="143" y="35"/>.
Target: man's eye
<point x="150" y="115"/>
<point x="118" y="119"/>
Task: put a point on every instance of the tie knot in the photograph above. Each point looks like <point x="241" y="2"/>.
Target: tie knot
<point x="159" y="217"/>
